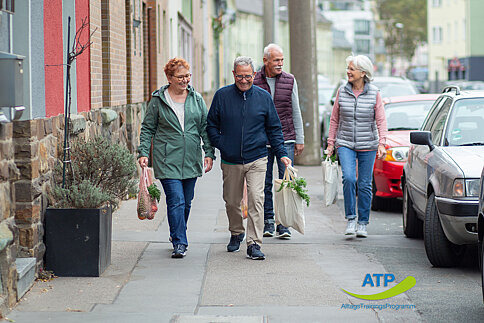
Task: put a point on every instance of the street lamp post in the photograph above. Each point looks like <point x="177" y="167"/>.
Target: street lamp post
<point x="400" y="26"/>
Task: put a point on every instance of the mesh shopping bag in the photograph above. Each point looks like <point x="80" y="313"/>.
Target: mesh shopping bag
<point x="146" y="203"/>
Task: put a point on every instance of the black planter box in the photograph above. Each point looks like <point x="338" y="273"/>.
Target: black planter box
<point x="78" y="241"/>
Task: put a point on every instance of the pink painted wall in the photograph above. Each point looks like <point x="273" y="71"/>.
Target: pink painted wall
<point x="82" y="61"/>
<point x="54" y="76"/>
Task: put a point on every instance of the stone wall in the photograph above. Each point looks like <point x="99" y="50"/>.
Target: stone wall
<point x="8" y="232"/>
<point x="28" y="150"/>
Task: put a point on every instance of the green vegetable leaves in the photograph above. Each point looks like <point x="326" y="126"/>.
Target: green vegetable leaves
<point x="154" y="192"/>
<point x="333" y="157"/>
<point x="299" y="185"/>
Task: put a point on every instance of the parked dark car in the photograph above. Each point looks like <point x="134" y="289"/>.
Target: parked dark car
<point x="480" y="231"/>
<point x="441" y="177"/>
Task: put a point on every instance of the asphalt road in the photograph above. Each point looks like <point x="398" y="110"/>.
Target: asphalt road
<point x="441" y="294"/>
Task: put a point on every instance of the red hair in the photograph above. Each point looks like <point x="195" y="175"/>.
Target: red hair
<point x="175" y="63"/>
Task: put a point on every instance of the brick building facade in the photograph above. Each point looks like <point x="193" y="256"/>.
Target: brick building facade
<point x="131" y="40"/>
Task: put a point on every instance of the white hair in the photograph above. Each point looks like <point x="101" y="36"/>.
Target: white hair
<point x="271" y="47"/>
<point x="362" y="63"/>
<point x="244" y="61"/>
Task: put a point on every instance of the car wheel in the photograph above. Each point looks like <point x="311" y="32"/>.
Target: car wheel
<point x="440" y="251"/>
<point x="412" y="225"/>
<point x="377" y="202"/>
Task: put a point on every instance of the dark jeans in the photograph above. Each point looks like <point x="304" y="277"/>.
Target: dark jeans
<point x="179" y="196"/>
<point x="268" y="202"/>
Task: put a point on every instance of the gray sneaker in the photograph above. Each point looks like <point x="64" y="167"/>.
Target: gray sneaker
<point x="351" y="227"/>
<point x="361" y="231"/>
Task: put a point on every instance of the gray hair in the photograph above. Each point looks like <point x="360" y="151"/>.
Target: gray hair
<point x="363" y="63"/>
<point x="271" y="47"/>
<point x="245" y="61"/>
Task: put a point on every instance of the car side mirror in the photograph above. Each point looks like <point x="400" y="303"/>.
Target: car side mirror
<point x="332" y="100"/>
<point x="422" y="138"/>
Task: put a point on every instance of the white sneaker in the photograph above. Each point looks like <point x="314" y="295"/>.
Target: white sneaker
<point x="361" y="232"/>
<point x="351" y="227"/>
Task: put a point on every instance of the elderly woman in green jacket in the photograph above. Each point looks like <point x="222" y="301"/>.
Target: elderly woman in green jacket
<point x="175" y="121"/>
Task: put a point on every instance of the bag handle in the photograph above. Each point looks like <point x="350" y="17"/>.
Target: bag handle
<point x="290" y="174"/>
<point x="146" y="177"/>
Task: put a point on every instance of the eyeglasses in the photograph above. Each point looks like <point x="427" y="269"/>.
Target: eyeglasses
<point x="246" y="77"/>
<point x="181" y="77"/>
<point x="351" y="69"/>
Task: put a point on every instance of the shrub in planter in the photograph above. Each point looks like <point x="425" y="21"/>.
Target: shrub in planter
<point x="78" y="225"/>
<point x="100" y="173"/>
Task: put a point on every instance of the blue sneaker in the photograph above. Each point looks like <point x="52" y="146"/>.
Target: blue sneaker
<point x="235" y="240"/>
<point x="283" y="232"/>
<point x="269" y="229"/>
<point x="179" y="251"/>
<point x="253" y="252"/>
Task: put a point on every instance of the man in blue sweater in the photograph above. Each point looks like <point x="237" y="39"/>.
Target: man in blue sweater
<point x="241" y="120"/>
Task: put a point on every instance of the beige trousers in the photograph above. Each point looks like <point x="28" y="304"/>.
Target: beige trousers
<point x="233" y="175"/>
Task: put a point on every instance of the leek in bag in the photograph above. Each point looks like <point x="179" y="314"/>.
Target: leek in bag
<point x="330" y="181"/>
<point x="288" y="200"/>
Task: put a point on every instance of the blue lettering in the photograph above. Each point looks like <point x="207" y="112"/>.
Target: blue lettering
<point x="389" y="278"/>
<point x="378" y="276"/>
<point x="368" y="280"/>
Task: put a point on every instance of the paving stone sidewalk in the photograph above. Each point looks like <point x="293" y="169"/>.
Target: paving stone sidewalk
<point x="300" y="281"/>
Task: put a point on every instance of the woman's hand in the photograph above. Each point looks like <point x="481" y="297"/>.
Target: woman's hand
<point x="207" y="164"/>
<point x="143" y="162"/>
<point x="329" y="150"/>
<point x="382" y="152"/>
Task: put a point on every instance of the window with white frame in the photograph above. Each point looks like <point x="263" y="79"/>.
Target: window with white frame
<point x="362" y="27"/>
<point x="185" y="40"/>
<point x="436" y="3"/>
<point x="362" y="46"/>
<point x="437" y="35"/>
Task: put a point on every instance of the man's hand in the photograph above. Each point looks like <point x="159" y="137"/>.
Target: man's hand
<point x="207" y="164"/>
<point x="143" y="162"/>
<point x="329" y="150"/>
<point x="382" y="152"/>
<point x="298" y="149"/>
<point x="286" y="161"/>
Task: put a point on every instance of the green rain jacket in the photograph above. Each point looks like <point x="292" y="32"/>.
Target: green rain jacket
<point x="177" y="154"/>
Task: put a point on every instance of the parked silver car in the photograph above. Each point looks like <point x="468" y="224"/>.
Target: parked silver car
<point x="480" y="231"/>
<point x="441" y="177"/>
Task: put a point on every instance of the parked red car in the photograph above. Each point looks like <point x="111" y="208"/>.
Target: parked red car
<point x="404" y="114"/>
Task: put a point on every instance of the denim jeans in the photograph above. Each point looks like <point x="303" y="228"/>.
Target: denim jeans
<point x="268" y="202"/>
<point x="366" y="159"/>
<point x="179" y="196"/>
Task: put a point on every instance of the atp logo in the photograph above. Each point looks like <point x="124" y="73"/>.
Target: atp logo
<point x="376" y="280"/>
